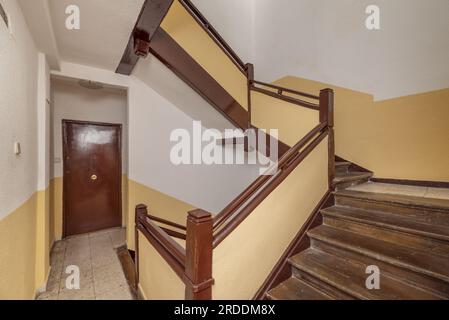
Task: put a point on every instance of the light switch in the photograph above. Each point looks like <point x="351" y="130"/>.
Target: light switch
<point x="17" y="149"/>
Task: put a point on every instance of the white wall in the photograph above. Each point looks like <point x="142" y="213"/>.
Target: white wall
<point x="168" y="85"/>
<point x="152" y="115"/>
<point x="70" y="101"/>
<point x="18" y="111"/>
<point x="234" y="20"/>
<point x="152" y="118"/>
<point x="326" y="40"/>
<point x="43" y="126"/>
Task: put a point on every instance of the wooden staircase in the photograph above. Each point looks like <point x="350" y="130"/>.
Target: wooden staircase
<point x="407" y="238"/>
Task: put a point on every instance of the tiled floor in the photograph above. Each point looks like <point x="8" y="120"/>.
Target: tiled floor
<point x="101" y="274"/>
<point x="435" y="193"/>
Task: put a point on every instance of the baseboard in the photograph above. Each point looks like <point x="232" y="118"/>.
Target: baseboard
<point x="282" y="270"/>
<point x="140" y="293"/>
<point x="417" y="183"/>
<point x="43" y="288"/>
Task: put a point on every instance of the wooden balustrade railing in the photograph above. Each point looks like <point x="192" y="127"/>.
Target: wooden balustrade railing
<point x="180" y="234"/>
<point x="193" y="265"/>
<point x="279" y="95"/>
<point x="205" y="232"/>
<point x="213" y="33"/>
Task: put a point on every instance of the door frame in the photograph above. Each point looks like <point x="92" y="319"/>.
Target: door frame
<point x="64" y="154"/>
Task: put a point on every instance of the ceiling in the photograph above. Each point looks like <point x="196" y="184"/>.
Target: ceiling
<point x="105" y="29"/>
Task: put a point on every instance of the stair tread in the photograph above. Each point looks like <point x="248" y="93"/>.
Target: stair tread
<point x="392" y="253"/>
<point x="389" y="220"/>
<point x="342" y="163"/>
<point x="350" y="276"/>
<point x="351" y="176"/>
<point x="296" y="289"/>
<point x="409" y="201"/>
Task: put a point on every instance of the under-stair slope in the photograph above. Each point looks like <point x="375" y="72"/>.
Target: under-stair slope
<point x="406" y="238"/>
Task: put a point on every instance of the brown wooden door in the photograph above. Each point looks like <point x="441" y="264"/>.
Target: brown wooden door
<point x="92" y="176"/>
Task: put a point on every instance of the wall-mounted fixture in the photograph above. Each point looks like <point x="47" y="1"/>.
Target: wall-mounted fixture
<point x="88" y="84"/>
<point x="17" y="148"/>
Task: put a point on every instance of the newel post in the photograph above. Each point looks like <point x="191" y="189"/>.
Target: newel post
<point x="250" y="76"/>
<point x="327" y="116"/>
<point x="198" y="269"/>
<point x="141" y="211"/>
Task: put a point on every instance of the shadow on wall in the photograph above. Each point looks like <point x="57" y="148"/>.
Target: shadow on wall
<point x="400" y="138"/>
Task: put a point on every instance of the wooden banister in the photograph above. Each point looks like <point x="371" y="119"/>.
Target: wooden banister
<point x="167" y="222"/>
<point x="327" y="116"/>
<point x="150" y="18"/>
<point x="299" y="102"/>
<point x="213" y="33"/>
<point x="169" y="249"/>
<point x="250" y="76"/>
<point x="198" y="268"/>
<point x="281" y="90"/>
<point x="230" y="209"/>
<point x="203" y="232"/>
<point x="230" y="224"/>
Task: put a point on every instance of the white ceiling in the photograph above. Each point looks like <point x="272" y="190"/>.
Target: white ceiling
<point x="105" y="29"/>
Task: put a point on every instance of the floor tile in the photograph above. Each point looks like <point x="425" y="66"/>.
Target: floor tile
<point x="101" y="274"/>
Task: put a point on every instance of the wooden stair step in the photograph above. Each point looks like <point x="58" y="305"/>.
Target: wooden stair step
<point x="417" y="242"/>
<point x="426" y="210"/>
<point x="396" y="199"/>
<point x="350" y="276"/>
<point x="430" y="284"/>
<point x="296" y="289"/>
<point x="406" y="257"/>
<point x="347" y="179"/>
<point x="342" y="163"/>
<point x="388" y="220"/>
<point x="342" y="166"/>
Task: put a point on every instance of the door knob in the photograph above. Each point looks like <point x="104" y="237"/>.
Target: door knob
<point x="93" y="177"/>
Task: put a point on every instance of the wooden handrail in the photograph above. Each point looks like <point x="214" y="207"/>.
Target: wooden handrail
<point x="167" y="222"/>
<point x="193" y="265"/>
<point x="169" y="249"/>
<point x="249" y="207"/>
<point x="282" y="89"/>
<point x="213" y="33"/>
<point x="230" y="217"/>
<point x="299" y="102"/>
<point x="258" y="183"/>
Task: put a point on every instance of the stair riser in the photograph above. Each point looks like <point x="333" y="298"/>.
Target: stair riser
<point x="331" y="291"/>
<point x="407" y="276"/>
<point x="425" y="244"/>
<point x="422" y="215"/>
<point x="353" y="282"/>
<point x="345" y="185"/>
<point x="387" y="259"/>
<point x="342" y="169"/>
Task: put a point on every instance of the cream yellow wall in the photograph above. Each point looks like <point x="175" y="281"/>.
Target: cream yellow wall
<point x="56" y="207"/>
<point x="242" y="262"/>
<point x="292" y="121"/>
<point x="159" y="205"/>
<point x="156" y="278"/>
<point x="44" y="238"/>
<point x="18" y="252"/>
<point x="183" y="28"/>
<point x="402" y="138"/>
<point x="55" y="190"/>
